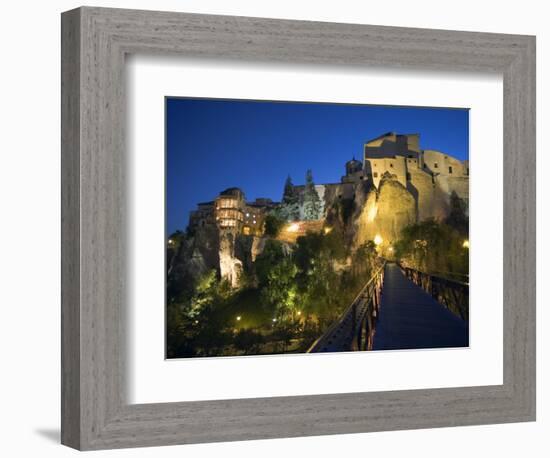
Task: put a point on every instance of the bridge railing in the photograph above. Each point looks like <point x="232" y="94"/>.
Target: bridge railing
<point x="452" y="294"/>
<point x="352" y="331"/>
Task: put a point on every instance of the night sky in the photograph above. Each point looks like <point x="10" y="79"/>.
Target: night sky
<point x="214" y="144"/>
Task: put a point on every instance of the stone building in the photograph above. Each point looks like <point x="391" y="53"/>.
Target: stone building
<point x="202" y="216"/>
<point x="254" y="216"/>
<point x="230" y="212"/>
<point x="400" y="156"/>
<point x="229" y="209"/>
<point x="418" y="185"/>
<point x="396" y="184"/>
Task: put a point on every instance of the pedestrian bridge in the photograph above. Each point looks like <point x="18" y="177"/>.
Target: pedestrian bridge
<point x="401" y="308"/>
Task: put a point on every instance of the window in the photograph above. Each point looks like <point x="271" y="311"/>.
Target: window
<point x="467" y="171"/>
<point x="435" y="165"/>
<point x="391" y="165"/>
<point x="408" y="176"/>
<point x="450" y="169"/>
<point x="375" y="174"/>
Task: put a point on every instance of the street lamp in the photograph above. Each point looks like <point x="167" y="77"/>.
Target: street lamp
<point x="378" y="240"/>
<point x="239" y="318"/>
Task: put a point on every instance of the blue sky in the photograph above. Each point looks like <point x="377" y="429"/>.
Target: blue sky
<point x="214" y="144"/>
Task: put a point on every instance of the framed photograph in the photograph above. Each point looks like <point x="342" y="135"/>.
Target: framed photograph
<point x="279" y="228"/>
<point x="319" y="266"/>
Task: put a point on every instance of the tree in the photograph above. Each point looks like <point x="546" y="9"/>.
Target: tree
<point x="433" y="247"/>
<point x="311" y="201"/>
<point x="458" y="219"/>
<point x="288" y="192"/>
<point x="363" y="259"/>
<point x="248" y="341"/>
<point x="206" y="293"/>
<point x="281" y="290"/>
<point x="271" y="255"/>
<point x="290" y="206"/>
<point x="273" y="225"/>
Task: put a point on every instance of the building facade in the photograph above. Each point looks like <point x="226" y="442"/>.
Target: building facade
<point x="231" y="211"/>
<point x="400" y="157"/>
<point x="430" y="176"/>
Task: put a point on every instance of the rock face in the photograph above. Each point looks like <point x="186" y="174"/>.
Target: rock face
<point x="225" y="251"/>
<point x="384" y="212"/>
<point x="231" y="267"/>
<point x="191" y="259"/>
<point x="359" y="210"/>
<point x="396" y="208"/>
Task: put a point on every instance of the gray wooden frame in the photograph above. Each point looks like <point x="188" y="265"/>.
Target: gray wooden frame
<point x="95" y="413"/>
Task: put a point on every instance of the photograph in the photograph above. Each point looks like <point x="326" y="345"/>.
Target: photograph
<point x="305" y="227"/>
<point x="275" y="229"/>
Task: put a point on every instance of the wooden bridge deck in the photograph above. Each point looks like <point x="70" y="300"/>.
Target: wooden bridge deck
<point x="410" y="318"/>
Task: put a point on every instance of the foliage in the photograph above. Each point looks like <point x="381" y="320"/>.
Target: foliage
<point x="433" y="247"/>
<point x="280" y="289"/>
<point x="289" y="195"/>
<point x="271" y="255"/>
<point x="324" y="288"/>
<point x="306" y="250"/>
<point x="458" y="218"/>
<point x="289" y="209"/>
<point x="283" y="333"/>
<point x="273" y="224"/>
<point x="311" y="202"/>
<point x="248" y="341"/>
<point x="206" y="293"/>
<point x="313" y="246"/>
<point x="301" y="292"/>
<point x="363" y="259"/>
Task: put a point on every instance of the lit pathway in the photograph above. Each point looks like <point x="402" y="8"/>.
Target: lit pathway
<point x="411" y="318"/>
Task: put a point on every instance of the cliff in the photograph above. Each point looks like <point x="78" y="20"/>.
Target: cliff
<point x="360" y="211"/>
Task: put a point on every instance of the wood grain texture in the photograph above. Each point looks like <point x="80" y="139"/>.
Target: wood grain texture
<point x="70" y="229"/>
<point x="96" y="414"/>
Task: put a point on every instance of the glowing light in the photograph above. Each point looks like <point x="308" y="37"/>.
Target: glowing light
<point x="294" y="227"/>
<point x="378" y="239"/>
<point x="371" y="213"/>
<point x="274" y="320"/>
<point x="327" y="230"/>
<point x="390" y="249"/>
<point x="299" y="312"/>
<point x="196" y="321"/>
<point x="466" y="244"/>
<point x="239" y="318"/>
<point x="170" y="241"/>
